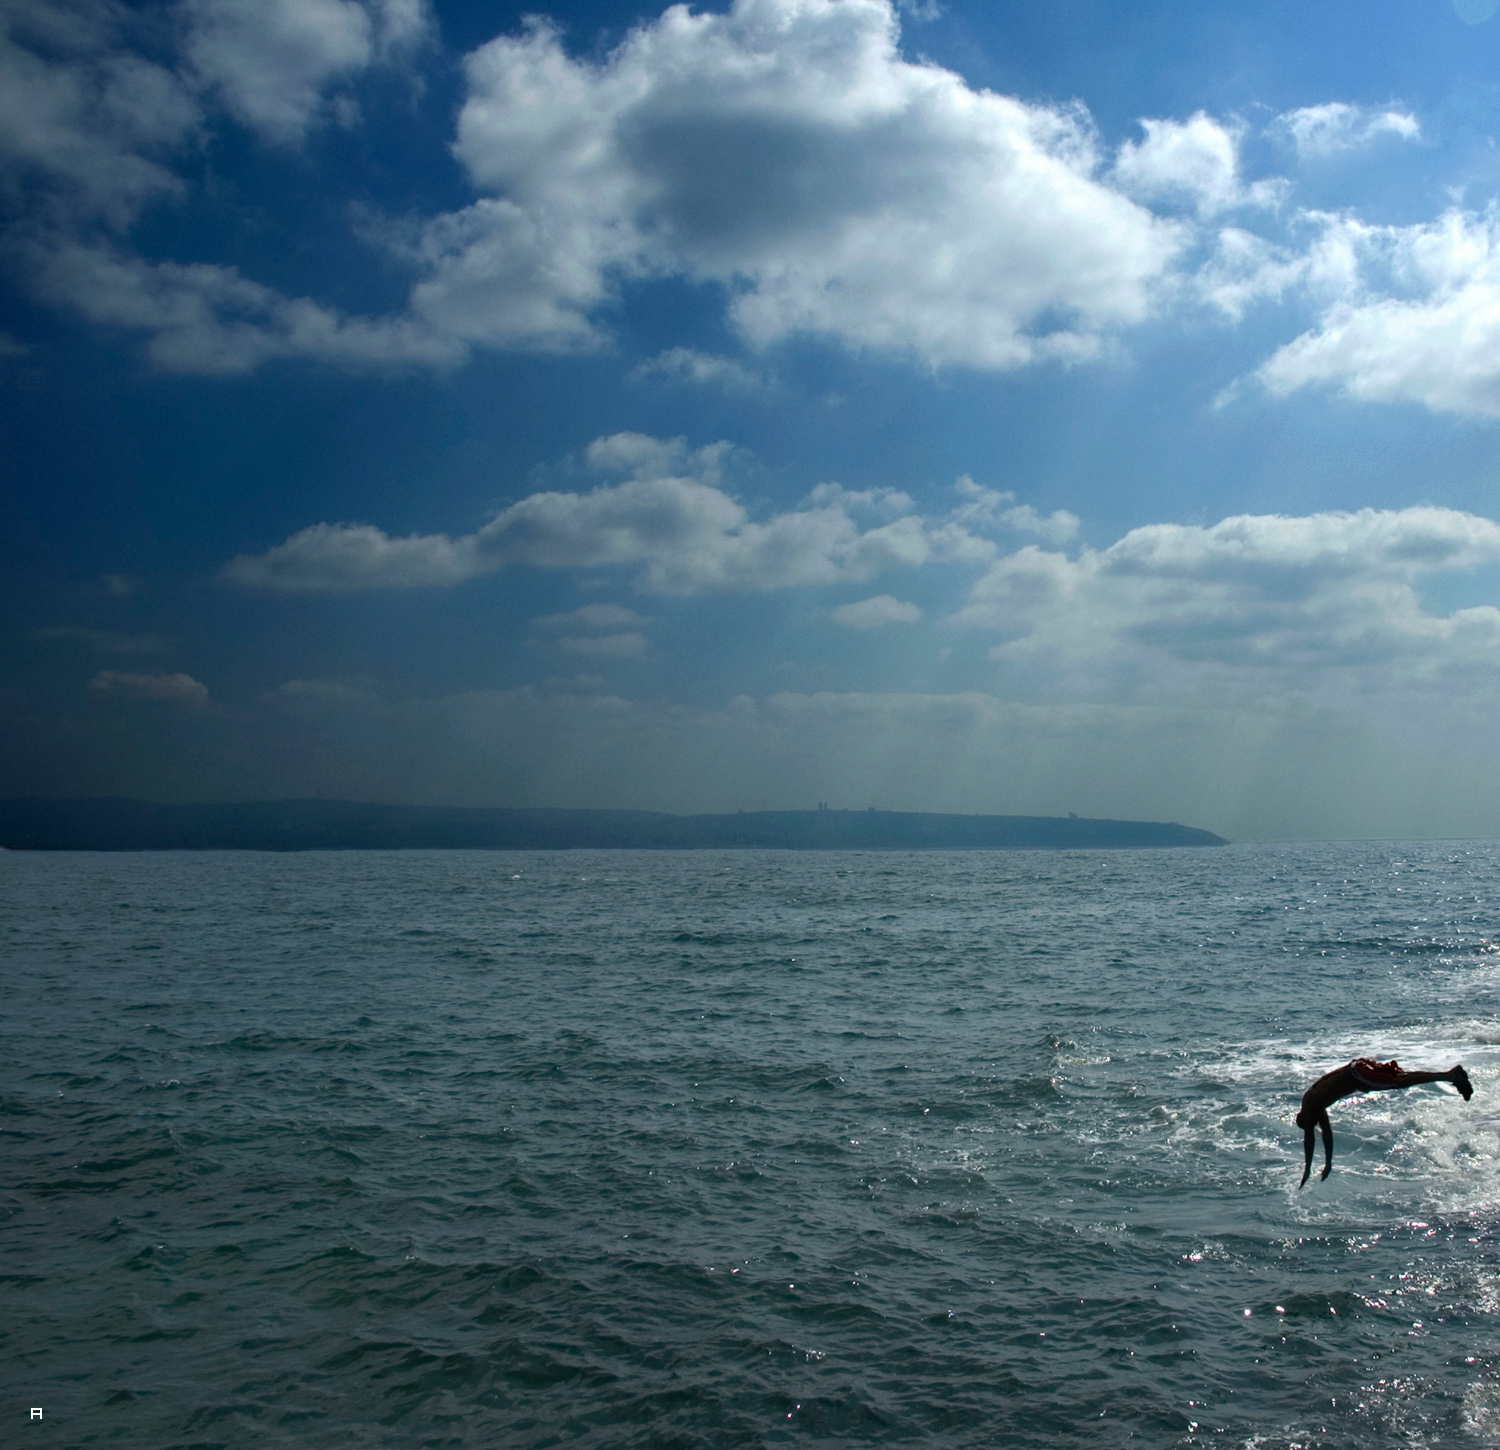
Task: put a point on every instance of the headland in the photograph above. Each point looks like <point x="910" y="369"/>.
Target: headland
<point x="118" y="823"/>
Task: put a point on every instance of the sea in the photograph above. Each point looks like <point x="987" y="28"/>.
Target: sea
<point x="746" y="1148"/>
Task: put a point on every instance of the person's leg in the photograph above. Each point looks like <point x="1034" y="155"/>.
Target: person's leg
<point x="1370" y="1076"/>
<point x="1327" y="1128"/>
<point x="1456" y="1075"/>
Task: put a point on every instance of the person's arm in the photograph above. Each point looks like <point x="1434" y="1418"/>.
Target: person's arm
<point x="1309" y="1141"/>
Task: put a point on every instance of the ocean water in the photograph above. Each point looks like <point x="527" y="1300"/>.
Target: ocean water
<point x="746" y="1148"/>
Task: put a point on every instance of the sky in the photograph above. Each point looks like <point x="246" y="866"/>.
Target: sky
<point x="939" y="405"/>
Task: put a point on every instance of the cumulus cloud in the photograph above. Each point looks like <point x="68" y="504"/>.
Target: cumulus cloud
<point x="85" y="112"/>
<point x="343" y="558"/>
<point x="1314" y="597"/>
<point x="879" y="502"/>
<point x="1323" y="263"/>
<point x="996" y="508"/>
<point x="1411" y="315"/>
<point x="83" y="115"/>
<point x="1244" y="269"/>
<point x="1404" y="314"/>
<point x="1193" y="163"/>
<point x="90" y="130"/>
<point x="783" y="151"/>
<point x="875" y="613"/>
<point x="1057" y="527"/>
<point x="170" y="689"/>
<point x="1326" y="130"/>
<point x="272" y="58"/>
<point x="273" y="61"/>
<point x="788" y="151"/>
<point x="671" y="523"/>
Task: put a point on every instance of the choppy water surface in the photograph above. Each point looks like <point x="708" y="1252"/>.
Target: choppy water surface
<point x="744" y="1148"/>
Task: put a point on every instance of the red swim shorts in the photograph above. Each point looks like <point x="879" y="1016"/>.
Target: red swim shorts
<point x="1372" y="1076"/>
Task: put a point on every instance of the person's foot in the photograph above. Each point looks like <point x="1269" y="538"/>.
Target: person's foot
<point x="1462" y="1083"/>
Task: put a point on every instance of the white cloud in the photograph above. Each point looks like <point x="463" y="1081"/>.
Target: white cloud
<point x="210" y="319"/>
<point x="400" y="26"/>
<point x="1416" y="318"/>
<point x="169" y="689"/>
<point x="88" y="130"/>
<point x="342" y="558"/>
<point x="671" y="523"/>
<point x="684" y="365"/>
<point x="786" y="150"/>
<point x="1311" y="600"/>
<point x="1057" y="527"/>
<point x="501" y="274"/>
<point x="273" y="61"/>
<point x="1323" y="263"/>
<point x="879" y="502"/>
<point x="1195" y="163"/>
<point x="84" y="116"/>
<point x="1244" y="269"/>
<point x="993" y="508"/>
<point x="608" y="646"/>
<point x="611" y="631"/>
<point x="1326" y="130"/>
<point x="875" y="613"/>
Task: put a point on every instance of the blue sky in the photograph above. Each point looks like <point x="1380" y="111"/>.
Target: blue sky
<point x="1025" y="408"/>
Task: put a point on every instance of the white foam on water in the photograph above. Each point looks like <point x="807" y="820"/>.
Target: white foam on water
<point x="1481" y="1411"/>
<point x="1422" y="1147"/>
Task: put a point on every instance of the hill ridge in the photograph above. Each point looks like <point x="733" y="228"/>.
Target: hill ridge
<point x="122" y="823"/>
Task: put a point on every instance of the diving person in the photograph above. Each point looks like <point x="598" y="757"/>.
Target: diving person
<point x="1363" y="1075"/>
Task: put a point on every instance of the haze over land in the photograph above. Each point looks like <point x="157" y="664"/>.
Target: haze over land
<point x="1020" y="409"/>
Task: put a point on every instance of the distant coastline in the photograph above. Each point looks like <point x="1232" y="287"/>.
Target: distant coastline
<point x="122" y="824"/>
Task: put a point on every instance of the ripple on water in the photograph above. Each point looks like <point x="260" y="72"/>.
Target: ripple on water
<point x="713" y="1149"/>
